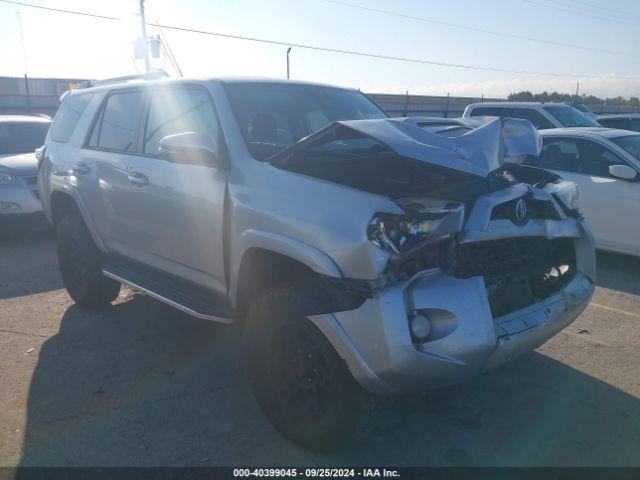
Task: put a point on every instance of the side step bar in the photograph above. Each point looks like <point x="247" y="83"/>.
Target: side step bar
<point x="189" y="299"/>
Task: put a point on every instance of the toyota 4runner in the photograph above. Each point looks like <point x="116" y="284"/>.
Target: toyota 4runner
<point x="393" y="254"/>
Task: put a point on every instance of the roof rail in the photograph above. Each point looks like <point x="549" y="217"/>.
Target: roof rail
<point x="154" y="75"/>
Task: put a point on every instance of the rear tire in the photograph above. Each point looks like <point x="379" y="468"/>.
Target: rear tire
<point x="80" y="263"/>
<point x="302" y="385"/>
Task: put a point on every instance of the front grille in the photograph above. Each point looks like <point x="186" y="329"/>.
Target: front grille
<point x="517" y="272"/>
<point x="497" y="259"/>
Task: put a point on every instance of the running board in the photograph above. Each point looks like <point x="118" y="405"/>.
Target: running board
<point x="187" y="298"/>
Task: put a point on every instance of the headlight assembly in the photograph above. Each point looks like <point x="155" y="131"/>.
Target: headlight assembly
<point x="8" y="179"/>
<point x="422" y="224"/>
<point x="567" y="193"/>
<point x="397" y="233"/>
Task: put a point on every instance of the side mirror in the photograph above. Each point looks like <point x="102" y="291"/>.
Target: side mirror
<point x="623" y="172"/>
<point x="190" y="148"/>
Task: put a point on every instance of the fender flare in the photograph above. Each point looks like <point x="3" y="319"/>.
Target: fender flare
<point x="73" y="193"/>
<point x="315" y="259"/>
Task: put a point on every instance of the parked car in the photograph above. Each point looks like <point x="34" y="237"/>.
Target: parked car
<point x="542" y="115"/>
<point x="356" y="249"/>
<point x="583" y="108"/>
<point x="605" y="164"/>
<point x="622" y="121"/>
<point x="20" y="135"/>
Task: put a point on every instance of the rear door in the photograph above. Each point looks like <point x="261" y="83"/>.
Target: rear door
<point x="112" y="143"/>
<point x="609" y="204"/>
<point x="178" y="207"/>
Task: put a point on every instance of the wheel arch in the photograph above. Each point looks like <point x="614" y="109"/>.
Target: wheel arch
<point x="265" y="259"/>
<point x="65" y="202"/>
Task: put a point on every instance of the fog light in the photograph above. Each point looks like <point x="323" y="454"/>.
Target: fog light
<point x="9" y="207"/>
<point x="420" y="327"/>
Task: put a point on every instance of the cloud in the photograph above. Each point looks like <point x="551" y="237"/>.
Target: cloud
<point x="606" y="86"/>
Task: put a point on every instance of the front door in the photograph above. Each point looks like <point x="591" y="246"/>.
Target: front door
<point x="179" y="206"/>
<point x="609" y="204"/>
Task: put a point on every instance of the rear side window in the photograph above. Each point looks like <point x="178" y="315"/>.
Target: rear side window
<point x="538" y="120"/>
<point x="489" y="112"/>
<point x="68" y="116"/>
<point x="118" y="122"/>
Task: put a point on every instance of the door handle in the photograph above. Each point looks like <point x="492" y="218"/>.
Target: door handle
<point x="138" y="179"/>
<point x="80" y="168"/>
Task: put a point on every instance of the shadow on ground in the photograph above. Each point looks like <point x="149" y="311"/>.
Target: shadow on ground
<point x="618" y="272"/>
<point x="139" y="384"/>
<point x="28" y="263"/>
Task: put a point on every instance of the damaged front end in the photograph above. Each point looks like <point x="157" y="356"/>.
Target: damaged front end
<point x="483" y="259"/>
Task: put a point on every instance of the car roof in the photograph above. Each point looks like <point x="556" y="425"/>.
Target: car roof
<point x="25" y="118"/>
<point x="516" y="104"/>
<point x="588" y="131"/>
<point x="179" y="81"/>
<point x="619" y="115"/>
<point x="507" y="104"/>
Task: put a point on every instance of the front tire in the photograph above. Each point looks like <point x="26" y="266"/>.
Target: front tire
<point x="80" y="263"/>
<point x="302" y="385"/>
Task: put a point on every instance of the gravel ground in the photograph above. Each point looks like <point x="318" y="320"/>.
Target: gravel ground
<point x="141" y="384"/>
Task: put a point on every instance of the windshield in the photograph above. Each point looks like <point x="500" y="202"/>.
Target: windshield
<point x="21" y="137"/>
<point x="274" y="116"/>
<point x="569" y="116"/>
<point x="631" y="144"/>
<point x="580" y="106"/>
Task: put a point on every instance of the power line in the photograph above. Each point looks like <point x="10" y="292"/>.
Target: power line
<point x="579" y="8"/>
<point x="61" y="10"/>
<point x="608" y="8"/>
<point x="375" y="55"/>
<point x="480" y="30"/>
<point x="330" y="50"/>
<point x="552" y="5"/>
<point x="601" y="10"/>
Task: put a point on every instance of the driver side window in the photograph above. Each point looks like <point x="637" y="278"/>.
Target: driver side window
<point x="577" y="155"/>
<point x="179" y="110"/>
<point x="595" y="159"/>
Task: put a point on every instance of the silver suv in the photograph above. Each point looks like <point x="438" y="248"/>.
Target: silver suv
<point x="356" y="250"/>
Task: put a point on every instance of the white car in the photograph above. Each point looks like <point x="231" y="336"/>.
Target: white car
<point x="605" y="163"/>
<point x="542" y="115"/>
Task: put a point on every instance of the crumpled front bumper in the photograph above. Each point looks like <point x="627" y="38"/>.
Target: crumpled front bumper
<point x="376" y="343"/>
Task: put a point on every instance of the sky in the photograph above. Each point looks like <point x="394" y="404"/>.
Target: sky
<point x="71" y="46"/>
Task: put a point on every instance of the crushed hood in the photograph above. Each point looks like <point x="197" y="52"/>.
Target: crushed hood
<point x="478" y="152"/>
<point x="402" y="158"/>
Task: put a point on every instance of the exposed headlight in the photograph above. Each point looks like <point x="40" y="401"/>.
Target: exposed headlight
<point x="397" y="233"/>
<point x="568" y="193"/>
<point x="421" y="225"/>
<point x="8" y="179"/>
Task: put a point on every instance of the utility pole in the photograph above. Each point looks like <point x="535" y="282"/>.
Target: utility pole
<point x="577" y="91"/>
<point x="288" y="51"/>
<point x="143" y="27"/>
<point x="24" y="59"/>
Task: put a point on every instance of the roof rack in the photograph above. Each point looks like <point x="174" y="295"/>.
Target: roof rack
<point x="154" y="75"/>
